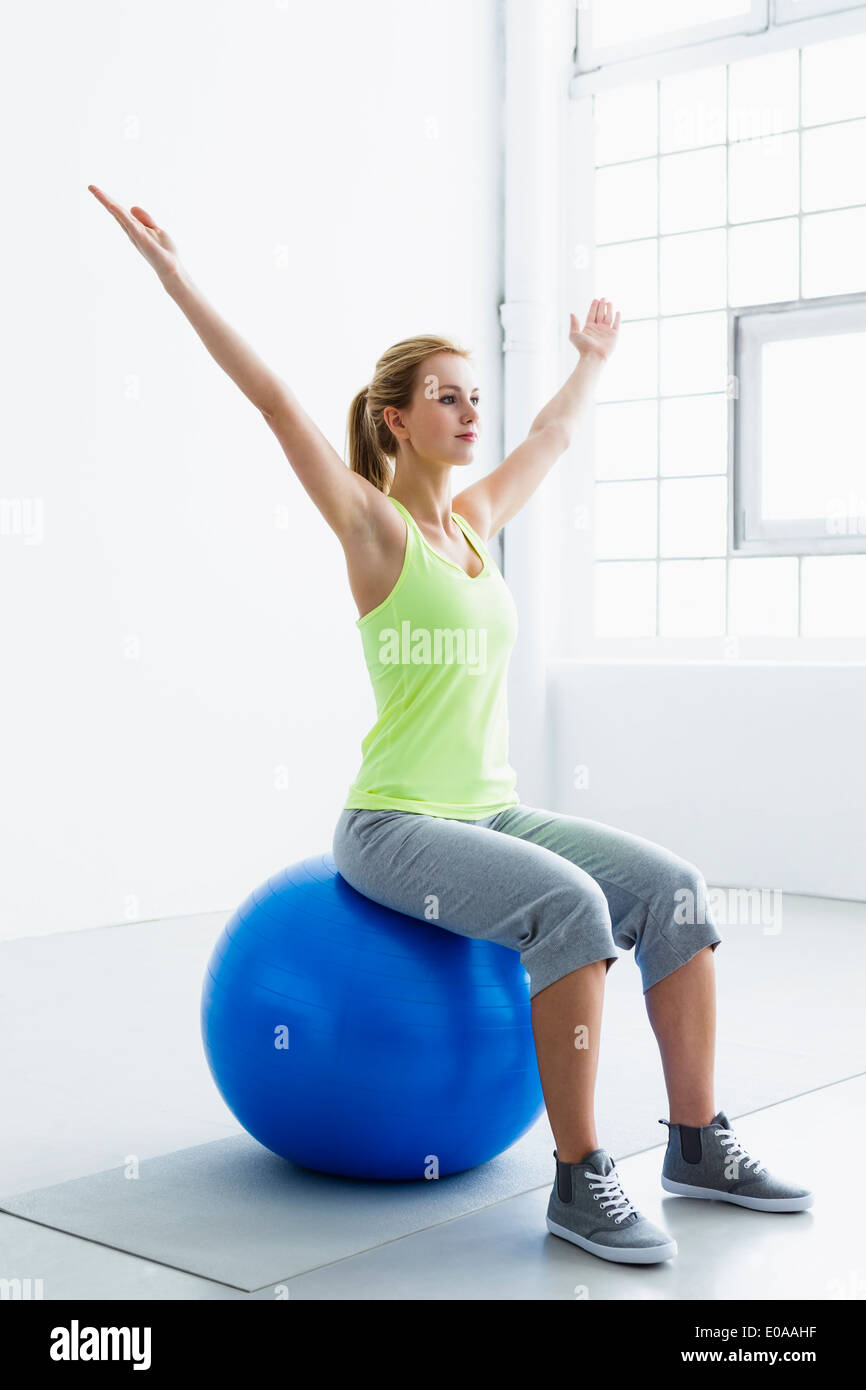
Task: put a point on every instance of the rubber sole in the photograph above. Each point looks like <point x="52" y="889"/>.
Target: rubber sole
<point x="684" y="1189"/>
<point x="637" y="1255"/>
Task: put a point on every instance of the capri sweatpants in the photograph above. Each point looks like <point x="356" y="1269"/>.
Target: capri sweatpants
<point x="562" y="890"/>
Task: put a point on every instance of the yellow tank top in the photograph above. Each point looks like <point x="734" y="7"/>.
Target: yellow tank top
<point x="437" y="650"/>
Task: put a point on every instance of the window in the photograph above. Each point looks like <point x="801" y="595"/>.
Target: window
<point x="787" y="10"/>
<point x="611" y="29"/>
<point x="799" y="451"/>
<point x="726" y="222"/>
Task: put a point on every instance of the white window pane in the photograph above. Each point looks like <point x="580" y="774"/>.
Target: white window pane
<point x="624" y="520"/>
<point x="691" y="598"/>
<point x="787" y="11"/>
<point x="632" y="371"/>
<point x="616" y="21"/>
<point x="693" y="272"/>
<point x="762" y="95"/>
<point x="833" y="86"/>
<point x="692" y="190"/>
<point x="692" y="109"/>
<point x="629" y="273"/>
<point x="626" y="198"/>
<point x="624" y="440"/>
<point x="763" y="262"/>
<point x="694" y="354"/>
<point x="834" y="166"/>
<point x="625" y="122"/>
<point x="812" y="450"/>
<point x="692" y="520"/>
<point x="624" y="599"/>
<point x="833" y="260"/>
<point x="764" y="178"/>
<point x="834" y="596"/>
<point x="846" y="511"/>
<point x="762" y="597"/>
<point x="694" y="432"/>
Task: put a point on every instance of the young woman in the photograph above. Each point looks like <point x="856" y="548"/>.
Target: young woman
<point x="434" y="809"/>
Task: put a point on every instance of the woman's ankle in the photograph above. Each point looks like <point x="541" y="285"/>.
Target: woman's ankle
<point x="576" y="1153"/>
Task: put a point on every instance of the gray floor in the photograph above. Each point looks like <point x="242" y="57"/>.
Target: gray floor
<point x="104" y="1067"/>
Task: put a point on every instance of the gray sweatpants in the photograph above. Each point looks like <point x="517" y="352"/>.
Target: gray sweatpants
<point x="561" y="890"/>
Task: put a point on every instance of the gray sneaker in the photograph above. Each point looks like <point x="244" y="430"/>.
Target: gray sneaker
<point x="588" y="1207"/>
<point x="710" y="1162"/>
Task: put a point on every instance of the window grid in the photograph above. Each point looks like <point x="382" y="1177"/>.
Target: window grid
<point x="727" y="226"/>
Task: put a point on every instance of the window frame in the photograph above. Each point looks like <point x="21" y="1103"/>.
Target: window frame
<point x="789" y="11"/>
<point x="588" y="57"/>
<point x="751" y="327"/>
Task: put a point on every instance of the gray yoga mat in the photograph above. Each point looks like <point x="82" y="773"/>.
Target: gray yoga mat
<point x="231" y="1211"/>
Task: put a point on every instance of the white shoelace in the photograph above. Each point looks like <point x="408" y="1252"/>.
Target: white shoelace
<point x="611" y="1188"/>
<point x="736" y="1150"/>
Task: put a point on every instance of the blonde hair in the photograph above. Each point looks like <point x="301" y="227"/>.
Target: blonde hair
<point x="372" y="446"/>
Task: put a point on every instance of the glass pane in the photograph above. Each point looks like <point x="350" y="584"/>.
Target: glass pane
<point x="616" y="21"/>
<point x="788" y="10"/>
<point x="764" y="178"/>
<point x="624" y="443"/>
<point x="694" y="354"/>
<point x="763" y="262"/>
<point x="629" y="273"/>
<point x="762" y="95"/>
<point x="626" y="198"/>
<point x="625" y="122"/>
<point x="812" y="453"/>
<point x="834" y="596"/>
<point x="692" y="190"/>
<point x="693" y="272"/>
<point x="833" y="260"/>
<point x="762" y="597"/>
<point x="833" y="86"/>
<point x="692" y="109"/>
<point x="624" y="599"/>
<point x="693" y="516"/>
<point x="692" y="598"/>
<point x="633" y="370"/>
<point x="694" y="432"/>
<point x="834" y="166"/>
<point x="624" y="520"/>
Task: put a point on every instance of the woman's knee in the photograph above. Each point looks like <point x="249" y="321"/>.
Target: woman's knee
<point x="680" y="922"/>
<point x="688" y="895"/>
<point x="571" y="923"/>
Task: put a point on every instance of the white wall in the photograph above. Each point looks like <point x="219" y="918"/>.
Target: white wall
<point x="184" y="694"/>
<point x="756" y="772"/>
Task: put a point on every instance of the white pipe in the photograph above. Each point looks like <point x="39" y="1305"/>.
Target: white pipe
<point x="539" y="42"/>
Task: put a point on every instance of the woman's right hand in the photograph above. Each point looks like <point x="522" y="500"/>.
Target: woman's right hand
<point x="154" y="244"/>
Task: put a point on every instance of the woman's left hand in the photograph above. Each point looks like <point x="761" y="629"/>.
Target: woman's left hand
<point x="599" y="335"/>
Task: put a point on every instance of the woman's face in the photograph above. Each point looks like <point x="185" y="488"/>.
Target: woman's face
<point x="444" y="411"/>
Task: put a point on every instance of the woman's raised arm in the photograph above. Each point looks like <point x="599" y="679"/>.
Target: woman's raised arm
<point x="347" y="501"/>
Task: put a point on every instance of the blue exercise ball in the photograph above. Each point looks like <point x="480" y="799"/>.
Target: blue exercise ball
<point x="355" y="1040"/>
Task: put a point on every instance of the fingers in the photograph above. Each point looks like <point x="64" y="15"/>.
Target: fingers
<point x="114" y="208"/>
<point x="600" y="312"/>
<point x="143" y="216"/>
